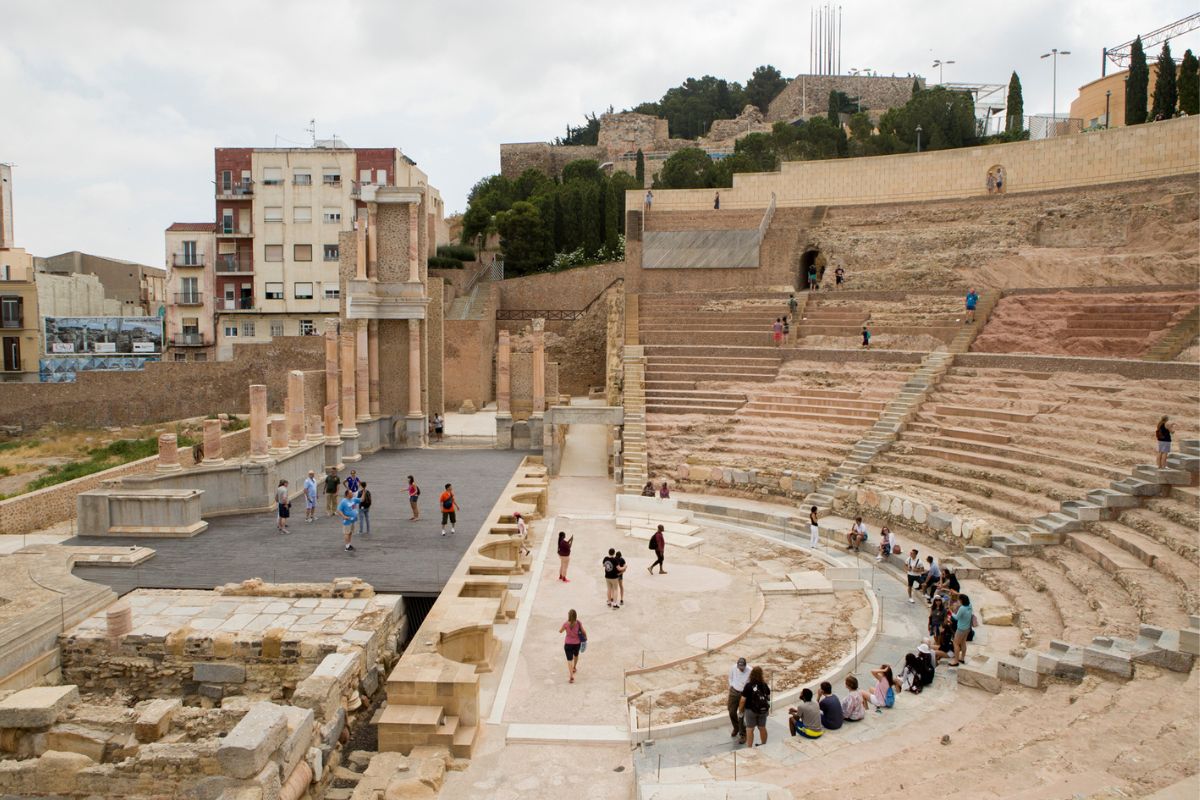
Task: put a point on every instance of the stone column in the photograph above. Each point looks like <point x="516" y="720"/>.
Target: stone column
<point x="332" y="392"/>
<point x="349" y="337"/>
<point x="279" y="436"/>
<point x="504" y="420"/>
<point x="414" y="368"/>
<point x="258" y="422"/>
<point x="360" y="239"/>
<point x="539" y="366"/>
<point x="331" y="424"/>
<point x="168" y="453"/>
<point x="362" y="377"/>
<point x="212" y="442"/>
<point x="414" y="261"/>
<point x="314" y="426"/>
<point x="295" y="408"/>
<point x="372" y="240"/>
<point x="373" y="366"/>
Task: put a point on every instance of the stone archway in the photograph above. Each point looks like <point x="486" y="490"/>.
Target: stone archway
<point x="997" y="179"/>
<point x="810" y="258"/>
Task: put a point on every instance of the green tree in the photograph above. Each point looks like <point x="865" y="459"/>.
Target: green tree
<point x="916" y="90"/>
<point x="531" y="182"/>
<point x="588" y="133"/>
<point x="523" y="239"/>
<point x="585" y="169"/>
<point x="1015" y="115"/>
<point x="689" y="168"/>
<point x="639" y="167"/>
<point x="1137" y="85"/>
<point x="1189" y="84"/>
<point x="946" y="119"/>
<point x="1165" y="93"/>
<point x="764" y="85"/>
<point x="612" y="216"/>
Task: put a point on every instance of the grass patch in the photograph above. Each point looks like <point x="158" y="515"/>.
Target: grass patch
<point x="99" y="459"/>
<point x="14" y="444"/>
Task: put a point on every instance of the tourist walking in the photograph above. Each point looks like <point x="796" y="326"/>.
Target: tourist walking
<point x="839" y="277"/>
<point x="649" y="200"/>
<point x="814" y="528"/>
<point x="414" y="494"/>
<point x="564" y="555"/>
<point x="347" y="509"/>
<point x="609" y="562"/>
<point x="353" y="483"/>
<point x="777" y="331"/>
<point x="574" y="642"/>
<point x="364" y="508"/>
<point x="664" y="491"/>
<point x="787" y="330"/>
<point x="972" y="301"/>
<point x="717" y="202"/>
<point x="621" y="567"/>
<point x="310" y="497"/>
<point x="755" y="706"/>
<point x="805" y="719"/>
<point x="449" y="506"/>
<point x="658" y="543"/>
<point x="964" y="619"/>
<point x="792" y="306"/>
<point x="933" y="574"/>
<point x="332" y="482"/>
<point x="914" y="571"/>
<point x="1162" y="436"/>
<point x="813" y="285"/>
<point x="522" y="533"/>
<point x="739" y="676"/>
<point x="283" y="506"/>
<point x="866" y="334"/>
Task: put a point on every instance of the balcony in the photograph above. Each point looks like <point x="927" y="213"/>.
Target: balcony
<point x="189" y="298"/>
<point x="238" y="304"/>
<point x="232" y="265"/>
<point x="236" y="191"/>
<point x="188" y="340"/>
<point x="232" y="232"/>
<point x="188" y="260"/>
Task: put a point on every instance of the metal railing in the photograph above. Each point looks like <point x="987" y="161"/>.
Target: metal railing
<point x="237" y="304"/>
<point x="768" y="215"/>
<point x="188" y="340"/>
<point x="189" y="298"/>
<point x="549" y="314"/>
<point x="188" y="259"/>
<point x="241" y="189"/>
<point x="228" y="263"/>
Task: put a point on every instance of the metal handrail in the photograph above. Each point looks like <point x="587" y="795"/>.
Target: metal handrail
<point x="188" y="259"/>
<point x="768" y="215"/>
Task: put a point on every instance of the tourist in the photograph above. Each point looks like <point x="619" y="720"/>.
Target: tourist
<point x="853" y="709"/>
<point x="914" y="570"/>
<point x="310" y="497"/>
<point x="857" y="535"/>
<point x="364" y="508"/>
<point x="1162" y="434"/>
<point x="717" y="202"/>
<point x="925" y="664"/>
<point x="944" y="644"/>
<point x="910" y="679"/>
<point x="522" y="533"/>
<point x="991" y="183"/>
<point x="884" y="694"/>
<point x="739" y="676"/>
<point x="347" y="509"/>
<point x="972" y="301"/>
<point x="621" y="567"/>
<point x="573" y="642"/>
<point x="332" y="482"/>
<point x="649" y="200"/>
<point x="999" y="181"/>
<point x="787" y="330"/>
<point x="755" y="706"/>
<point x="839" y="277"/>
<point x="648" y="489"/>
<point x="963" y="621"/>
<point x="831" y="707"/>
<point x="439" y="426"/>
<point x="948" y="588"/>
<point x="564" y="554"/>
<point x="283" y="506"/>
<point x="352" y="482"/>
<point x="933" y="575"/>
<point x="777" y="331"/>
<point x="887" y="543"/>
<point x="792" y="306"/>
<point x="664" y="492"/>
<point x="805" y="719"/>
<point x="814" y="528"/>
<point x="449" y="506"/>
<point x="414" y="494"/>
<point x="812" y="278"/>
<point x="937" y="617"/>
<point x="658" y="543"/>
<point x="866" y="334"/>
<point x="609" y="562"/>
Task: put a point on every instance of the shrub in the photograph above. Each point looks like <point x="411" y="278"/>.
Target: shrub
<point x="457" y="251"/>
<point x="438" y="262"/>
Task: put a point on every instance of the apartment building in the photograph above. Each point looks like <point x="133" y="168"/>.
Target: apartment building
<point x="20" y="337"/>
<point x="140" y="289"/>
<point x="273" y="259"/>
<point x="191" y="287"/>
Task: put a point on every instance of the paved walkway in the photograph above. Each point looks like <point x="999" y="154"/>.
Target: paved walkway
<point x="397" y="556"/>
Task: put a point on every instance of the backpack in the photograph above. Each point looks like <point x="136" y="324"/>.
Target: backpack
<point x="448" y="503"/>
<point x="889" y="699"/>
<point x="762" y="699"/>
<point x="650" y="545"/>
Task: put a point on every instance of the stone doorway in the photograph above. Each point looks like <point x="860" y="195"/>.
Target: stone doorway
<point x="810" y="259"/>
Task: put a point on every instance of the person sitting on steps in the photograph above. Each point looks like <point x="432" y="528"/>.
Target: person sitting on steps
<point x="857" y="535"/>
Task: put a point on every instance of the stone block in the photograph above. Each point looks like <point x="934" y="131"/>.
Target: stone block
<point x="301" y="722"/>
<point x="996" y="615"/>
<point x="1107" y="658"/>
<point x="213" y="691"/>
<point x="214" y="672"/>
<point x="321" y="693"/>
<point x="1189" y="641"/>
<point x="56" y="771"/>
<point x="269" y="781"/>
<point x="68" y="738"/>
<point x="246" y="749"/>
<point x="38" y="707"/>
<point x="940" y="520"/>
<point x="154" y="719"/>
<point x="980" y="673"/>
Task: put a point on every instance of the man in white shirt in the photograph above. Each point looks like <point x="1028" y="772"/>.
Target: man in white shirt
<point x="310" y="497"/>
<point x="738" y="675"/>
<point x="857" y="535"/>
<point x="914" y="569"/>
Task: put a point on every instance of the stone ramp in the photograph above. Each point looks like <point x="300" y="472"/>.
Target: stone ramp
<point x="701" y="249"/>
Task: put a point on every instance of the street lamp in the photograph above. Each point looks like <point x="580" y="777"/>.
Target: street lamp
<point x="918" y="138"/>
<point x="940" y="64"/>
<point x="1107" y="96"/>
<point x="1053" y="56"/>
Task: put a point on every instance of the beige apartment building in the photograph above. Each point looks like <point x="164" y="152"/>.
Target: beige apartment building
<point x="271" y="266"/>
<point x="20" y="335"/>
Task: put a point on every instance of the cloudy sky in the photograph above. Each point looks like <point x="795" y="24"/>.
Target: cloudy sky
<point x="110" y="110"/>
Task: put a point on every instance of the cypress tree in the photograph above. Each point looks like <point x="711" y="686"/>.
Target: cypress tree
<point x="1165" y="95"/>
<point x="1015" y="122"/>
<point x="1189" y="84"/>
<point x="916" y="87"/>
<point x="1138" y="84"/>
<point x="612" y="216"/>
<point x="834" y="107"/>
<point x="639" y="169"/>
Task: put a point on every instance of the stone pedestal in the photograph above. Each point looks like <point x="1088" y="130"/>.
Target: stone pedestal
<point x="279" y="436"/>
<point x="416" y="431"/>
<point x="119" y="620"/>
<point x="168" y="454"/>
<point x="258" y="423"/>
<point x="504" y="426"/>
<point x="331" y="425"/>
<point x="315" y="428"/>
<point x="535" y="432"/>
<point x="349" y="449"/>
<point x="212" y="443"/>
<point x="295" y="408"/>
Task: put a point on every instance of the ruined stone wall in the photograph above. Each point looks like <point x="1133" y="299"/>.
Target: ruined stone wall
<point x="470" y="353"/>
<point x="570" y="290"/>
<point x="164" y="390"/>
<point x="808" y="95"/>
<point x="627" y="132"/>
<point x="543" y="156"/>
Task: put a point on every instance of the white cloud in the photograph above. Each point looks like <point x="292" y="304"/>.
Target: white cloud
<point x="111" y="110"/>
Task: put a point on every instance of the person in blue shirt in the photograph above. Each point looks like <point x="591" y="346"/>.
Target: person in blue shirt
<point x="972" y="301"/>
<point x="347" y="509"/>
<point x="963" y="619"/>
<point x="310" y="497"/>
<point x="353" y="483"/>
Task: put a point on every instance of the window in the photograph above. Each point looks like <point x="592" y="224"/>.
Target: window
<point x="274" y="291"/>
<point x="332" y="291"/>
<point x="226" y="181"/>
<point x="273" y="252"/>
<point x="227" y="224"/>
<point x="12" y="313"/>
<point x="190" y="256"/>
<point x="273" y="214"/>
<point x="331" y="252"/>
<point x="302" y="252"/>
<point x="272" y="176"/>
<point x="381" y="177"/>
<point x="276" y="329"/>
<point x="190" y="325"/>
<point x="302" y="178"/>
<point x="247" y="328"/>
<point x="307" y="328"/>
<point x="200" y="357"/>
<point x="331" y="215"/>
<point x="303" y="291"/>
<point x="302" y="214"/>
<point x="180" y="356"/>
<point x="231" y="330"/>
<point x="332" y="176"/>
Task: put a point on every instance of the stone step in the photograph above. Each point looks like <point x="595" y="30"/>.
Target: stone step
<point x="1058" y="523"/>
<point x="1113" y="499"/>
<point x="1179" y="461"/>
<point x="1137" y="488"/>
<point x="1172" y="477"/>
<point x="1104" y="552"/>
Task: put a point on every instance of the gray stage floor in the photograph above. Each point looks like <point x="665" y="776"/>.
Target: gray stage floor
<point x="397" y="556"/>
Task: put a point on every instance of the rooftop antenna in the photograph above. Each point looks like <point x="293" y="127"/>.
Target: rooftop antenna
<point x="312" y="131"/>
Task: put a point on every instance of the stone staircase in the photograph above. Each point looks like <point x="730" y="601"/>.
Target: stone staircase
<point x="1179" y="337"/>
<point x="675" y="375"/>
<point x="634" y="462"/>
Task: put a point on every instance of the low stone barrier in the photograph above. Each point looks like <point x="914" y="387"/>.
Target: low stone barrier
<point x="897" y="508"/>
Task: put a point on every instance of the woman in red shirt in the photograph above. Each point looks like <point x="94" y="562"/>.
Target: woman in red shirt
<point x="564" y="555"/>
